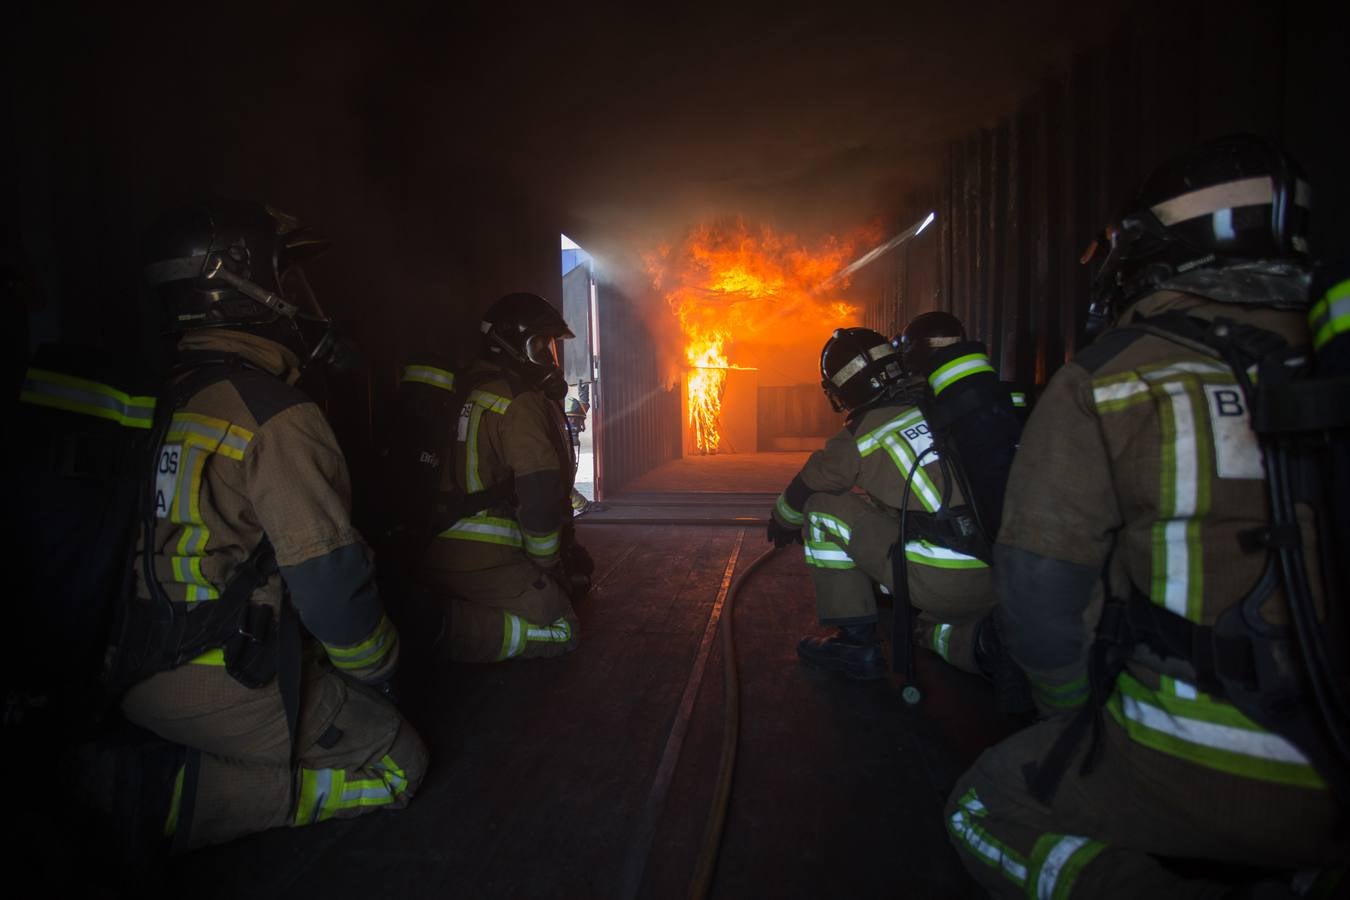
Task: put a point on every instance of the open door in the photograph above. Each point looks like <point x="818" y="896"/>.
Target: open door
<point x="579" y="365"/>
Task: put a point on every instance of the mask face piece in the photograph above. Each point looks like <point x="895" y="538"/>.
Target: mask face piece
<point x="542" y="350"/>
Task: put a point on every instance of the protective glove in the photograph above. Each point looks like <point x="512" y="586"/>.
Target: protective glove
<point x="781" y="535"/>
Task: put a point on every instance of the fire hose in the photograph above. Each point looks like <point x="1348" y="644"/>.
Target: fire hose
<point x="731" y="732"/>
<point x="644" y="830"/>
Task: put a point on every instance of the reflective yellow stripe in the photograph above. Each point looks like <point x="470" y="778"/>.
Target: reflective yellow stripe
<point x="214" y="657"/>
<point x="430" y="375"/>
<point x="471" y="478"/>
<point x="489" y="401"/>
<point x="1056" y="861"/>
<point x="942" y="638"/>
<point x="541" y="545"/>
<point x="324" y="793"/>
<point x="368" y="654"/>
<point x="827" y="555"/>
<point x="43" y="387"/>
<point x="1330" y="316"/>
<point x="1207" y="732"/>
<point x="961" y="367"/>
<point x="210" y="434"/>
<point x="871" y="442"/>
<point x="786" y="512"/>
<point x="927" y="554"/>
<point x="175" y="804"/>
<point x="965" y="826"/>
<point x="488" y="529"/>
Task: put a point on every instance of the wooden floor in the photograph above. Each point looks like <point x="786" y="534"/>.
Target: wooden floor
<point x="543" y="770"/>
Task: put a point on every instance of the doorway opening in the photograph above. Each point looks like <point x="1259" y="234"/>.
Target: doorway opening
<point x="580" y="367"/>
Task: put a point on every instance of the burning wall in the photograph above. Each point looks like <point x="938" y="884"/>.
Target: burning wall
<point x="746" y="296"/>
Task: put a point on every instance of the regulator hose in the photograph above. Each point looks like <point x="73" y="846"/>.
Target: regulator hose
<point x="731" y="732"/>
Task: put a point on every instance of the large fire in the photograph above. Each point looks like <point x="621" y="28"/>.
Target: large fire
<point x="730" y="283"/>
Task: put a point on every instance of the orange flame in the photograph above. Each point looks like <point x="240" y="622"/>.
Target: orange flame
<point x="727" y="282"/>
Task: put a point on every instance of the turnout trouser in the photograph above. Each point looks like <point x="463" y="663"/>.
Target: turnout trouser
<point x="848" y="542"/>
<point x="1102" y="832"/>
<point x="354" y="753"/>
<point x="513" y="611"/>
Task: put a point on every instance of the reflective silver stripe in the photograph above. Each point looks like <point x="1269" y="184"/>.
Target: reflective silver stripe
<point x="786" y="512"/>
<point x="546" y="545"/>
<point x="514" y="639"/>
<point x="42" y="387"/>
<point x="1179" y="508"/>
<point x="560" y="632"/>
<point x="430" y="375"/>
<point x="860" y="362"/>
<point x="1060" y="854"/>
<point x="872" y="440"/>
<point x="933" y="551"/>
<point x="954" y="371"/>
<point x="500" y="528"/>
<point x="494" y="402"/>
<point x="906" y="460"/>
<point x="963" y="825"/>
<point x="1259" y="744"/>
<point x="849" y="369"/>
<point x="1120" y="391"/>
<point x="1245" y="192"/>
<point x="368" y="790"/>
<point x="942" y="636"/>
<point x="823" y="522"/>
<point x="1018" y="398"/>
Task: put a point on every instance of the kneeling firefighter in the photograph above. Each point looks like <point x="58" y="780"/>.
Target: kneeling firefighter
<point x="1171" y="490"/>
<point x="254" y="641"/>
<point x="885" y="449"/>
<point x="501" y="556"/>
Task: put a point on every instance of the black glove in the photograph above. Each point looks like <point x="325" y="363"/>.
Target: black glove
<point x="781" y="535"/>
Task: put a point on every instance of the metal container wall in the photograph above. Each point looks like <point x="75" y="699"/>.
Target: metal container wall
<point x="791" y="415"/>
<point x="1019" y="201"/>
<point x="637" y="416"/>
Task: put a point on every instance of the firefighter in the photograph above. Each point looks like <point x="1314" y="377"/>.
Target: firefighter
<point x="285" y="718"/>
<point x="503" y="559"/>
<point x="883" y="450"/>
<point x="576" y="410"/>
<point x="1139" y="486"/>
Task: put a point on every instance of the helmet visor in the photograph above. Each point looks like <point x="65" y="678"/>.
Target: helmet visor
<point x="543" y="350"/>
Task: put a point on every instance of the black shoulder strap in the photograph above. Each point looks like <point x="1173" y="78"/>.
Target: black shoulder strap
<point x="252" y="658"/>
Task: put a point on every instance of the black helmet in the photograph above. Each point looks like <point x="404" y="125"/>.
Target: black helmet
<point x="858" y="367"/>
<point x="225" y="264"/>
<point x="522" y="330"/>
<point x="1235" y="200"/>
<point x="925" y="333"/>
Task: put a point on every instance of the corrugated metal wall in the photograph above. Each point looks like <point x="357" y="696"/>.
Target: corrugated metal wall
<point x="1019" y="201"/>
<point x="638" y="420"/>
<point x="793" y="412"/>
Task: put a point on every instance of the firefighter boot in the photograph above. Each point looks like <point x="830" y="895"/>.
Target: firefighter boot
<point x="1010" y="683"/>
<point x="855" y="652"/>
